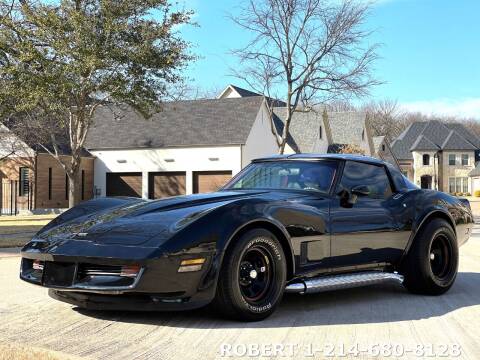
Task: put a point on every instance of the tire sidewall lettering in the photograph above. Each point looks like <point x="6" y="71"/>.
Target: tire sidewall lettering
<point x="277" y="257"/>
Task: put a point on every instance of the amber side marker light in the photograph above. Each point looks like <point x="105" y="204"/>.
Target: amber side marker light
<point x="130" y="270"/>
<point x="191" y="265"/>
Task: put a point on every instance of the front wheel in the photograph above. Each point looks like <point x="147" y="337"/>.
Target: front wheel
<point x="252" y="277"/>
<point x="432" y="263"/>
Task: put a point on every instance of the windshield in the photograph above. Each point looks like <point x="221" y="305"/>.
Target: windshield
<point x="410" y="185"/>
<point x="287" y="174"/>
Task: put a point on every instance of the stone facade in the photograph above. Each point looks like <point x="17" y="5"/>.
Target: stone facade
<point x="457" y="171"/>
<point x="441" y="156"/>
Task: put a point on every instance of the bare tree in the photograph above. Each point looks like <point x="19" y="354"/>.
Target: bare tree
<point x="385" y="118"/>
<point x="340" y="105"/>
<point x="305" y="52"/>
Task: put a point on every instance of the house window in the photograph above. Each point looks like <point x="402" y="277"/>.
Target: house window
<point x="464" y="159"/>
<point x="49" y="183"/>
<point x="458" y="185"/>
<point x="24" y="185"/>
<point x="363" y="134"/>
<point x="426" y="159"/>
<point x="451" y="185"/>
<point x="383" y="147"/>
<point x="320" y="132"/>
<point x="452" y="159"/>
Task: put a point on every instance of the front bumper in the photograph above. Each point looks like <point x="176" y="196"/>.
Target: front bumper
<point x="157" y="286"/>
<point x="127" y="302"/>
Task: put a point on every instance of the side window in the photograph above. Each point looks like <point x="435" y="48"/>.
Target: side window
<point x="372" y="176"/>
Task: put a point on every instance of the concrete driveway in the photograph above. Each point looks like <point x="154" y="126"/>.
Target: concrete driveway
<point x="303" y="325"/>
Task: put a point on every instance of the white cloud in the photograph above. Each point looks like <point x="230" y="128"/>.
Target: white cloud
<point x="469" y="107"/>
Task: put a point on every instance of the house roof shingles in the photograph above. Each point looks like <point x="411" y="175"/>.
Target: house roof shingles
<point x="422" y="143"/>
<point x="377" y="141"/>
<point x="347" y="127"/>
<point x="181" y="123"/>
<point x="304" y="128"/>
<point x="244" y="92"/>
<point x="456" y="142"/>
<point x="433" y="135"/>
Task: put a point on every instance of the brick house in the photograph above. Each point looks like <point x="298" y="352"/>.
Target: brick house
<point x="31" y="179"/>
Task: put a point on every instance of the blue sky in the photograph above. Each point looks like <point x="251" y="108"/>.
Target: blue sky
<point x="430" y="54"/>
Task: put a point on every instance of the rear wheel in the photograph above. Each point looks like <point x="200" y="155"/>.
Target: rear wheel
<point x="432" y="263"/>
<point x="252" y="278"/>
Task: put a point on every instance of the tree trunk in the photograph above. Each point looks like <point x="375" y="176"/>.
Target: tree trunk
<point x="281" y="149"/>
<point x="73" y="189"/>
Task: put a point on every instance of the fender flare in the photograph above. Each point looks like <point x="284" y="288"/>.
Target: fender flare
<point x="278" y="226"/>
<point x="421" y="221"/>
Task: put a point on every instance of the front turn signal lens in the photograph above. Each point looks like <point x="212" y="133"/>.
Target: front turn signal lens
<point x="191" y="265"/>
<point x="198" y="261"/>
<point x="130" y="270"/>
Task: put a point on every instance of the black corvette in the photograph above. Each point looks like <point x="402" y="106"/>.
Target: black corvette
<point x="294" y="223"/>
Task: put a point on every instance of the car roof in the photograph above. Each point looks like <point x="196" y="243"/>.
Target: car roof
<point x="359" y="158"/>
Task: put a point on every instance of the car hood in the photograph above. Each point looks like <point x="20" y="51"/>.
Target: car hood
<point x="142" y="223"/>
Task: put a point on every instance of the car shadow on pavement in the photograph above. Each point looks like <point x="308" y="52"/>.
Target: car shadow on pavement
<point x="373" y="304"/>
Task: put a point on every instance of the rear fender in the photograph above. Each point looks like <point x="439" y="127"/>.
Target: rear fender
<point x="422" y="220"/>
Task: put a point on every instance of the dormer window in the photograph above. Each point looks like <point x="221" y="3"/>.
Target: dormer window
<point x="426" y="159"/>
<point x="363" y="134"/>
<point x="320" y="132"/>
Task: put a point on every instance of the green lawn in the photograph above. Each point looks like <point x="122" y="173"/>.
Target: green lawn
<point x="18" y="230"/>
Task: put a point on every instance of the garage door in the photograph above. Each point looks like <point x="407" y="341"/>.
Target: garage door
<point x="210" y="181"/>
<point x="164" y="184"/>
<point x="124" y="184"/>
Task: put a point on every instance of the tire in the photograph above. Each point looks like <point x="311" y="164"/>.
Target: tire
<point x="431" y="265"/>
<point x="252" y="277"/>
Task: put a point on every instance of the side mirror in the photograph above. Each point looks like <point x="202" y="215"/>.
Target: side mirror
<point x="360" y="190"/>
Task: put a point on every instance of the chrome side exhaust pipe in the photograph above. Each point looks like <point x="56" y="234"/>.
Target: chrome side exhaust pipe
<point x="342" y="281"/>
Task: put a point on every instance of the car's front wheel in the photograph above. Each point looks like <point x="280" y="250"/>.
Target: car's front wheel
<point x="252" y="277"/>
<point x="432" y="263"/>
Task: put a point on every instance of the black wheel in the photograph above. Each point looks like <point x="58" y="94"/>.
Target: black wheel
<point x="252" y="277"/>
<point x="432" y="263"/>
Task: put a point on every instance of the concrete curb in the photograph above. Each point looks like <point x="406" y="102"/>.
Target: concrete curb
<point x="10" y="252"/>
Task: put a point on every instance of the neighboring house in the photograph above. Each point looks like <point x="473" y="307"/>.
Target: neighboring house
<point x="382" y="150"/>
<point x="437" y="155"/>
<point x="33" y="179"/>
<point x="198" y="145"/>
<point x="318" y="131"/>
<point x="188" y="147"/>
<point x="232" y="91"/>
